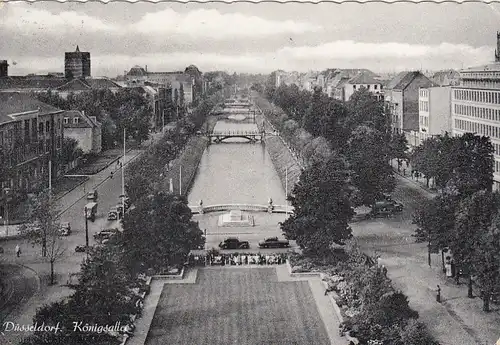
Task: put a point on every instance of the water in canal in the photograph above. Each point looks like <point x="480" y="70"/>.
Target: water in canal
<point x="236" y="172"/>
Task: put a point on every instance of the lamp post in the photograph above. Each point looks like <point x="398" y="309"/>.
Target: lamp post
<point x="86" y="232"/>
<point x="123" y="172"/>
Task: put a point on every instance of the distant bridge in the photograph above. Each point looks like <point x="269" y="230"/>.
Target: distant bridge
<point x="242" y="207"/>
<point x="218" y="137"/>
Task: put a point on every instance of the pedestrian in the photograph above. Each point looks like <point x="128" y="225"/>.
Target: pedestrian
<point x="117" y="164"/>
<point x="111" y="174"/>
<point x="384" y="270"/>
<point x="18" y="250"/>
<point x="438" y="294"/>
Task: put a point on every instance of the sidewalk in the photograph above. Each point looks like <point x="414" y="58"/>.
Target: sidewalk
<point x="458" y="319"/>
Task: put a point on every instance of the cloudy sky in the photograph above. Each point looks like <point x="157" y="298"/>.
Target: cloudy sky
<point x="244" y="37"/>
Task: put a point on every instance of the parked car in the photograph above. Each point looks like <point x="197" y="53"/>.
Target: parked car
<point x="80" y="249"/>
<point x="91" y="210"/>
<point x="104" y="234"/>
<point x="113" y="214"/>
<point x="274" y="242"/>
<point x="65" y="229"/>
<point x="92" y="195"/>
<point x="385" y="208"/>
<point x="234" y="243"/>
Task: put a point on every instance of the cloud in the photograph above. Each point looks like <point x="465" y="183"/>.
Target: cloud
<point x="28" y="19"/>
<point x="216" y="25"/>
<point x="380" y="57"/>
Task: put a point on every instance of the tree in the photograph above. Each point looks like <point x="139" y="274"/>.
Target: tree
<point x="435" y="219"/>
<point x="486" y="261"/>
<point x="41" y="228"/>
<point x="416" y="333"/>
<point x="368" y="156"/>
<point x="159" y="232"/>
<point x="473" y="158"/>
<point x="399" y="147"/>
<point x="365" y="109"/>
<point x="70" y="150"/>
<point x="473" y="217"/>
<point x="322" y="208"/>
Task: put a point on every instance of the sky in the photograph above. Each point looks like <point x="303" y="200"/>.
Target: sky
<point x="248" y="37"/>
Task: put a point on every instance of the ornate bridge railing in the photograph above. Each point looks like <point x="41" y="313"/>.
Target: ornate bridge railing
<point x="196" y="209"/>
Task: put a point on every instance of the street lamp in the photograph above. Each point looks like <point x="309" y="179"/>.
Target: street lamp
<point x="86" y="231"/>
<point x="6" y="220"/>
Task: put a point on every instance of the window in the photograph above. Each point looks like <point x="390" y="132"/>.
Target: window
<point x="76" y="120"/>
<point x="47" y="126"/>
<point x="375" y="87"/>
<point x="40" y="127"/>
<point x="66" y="120"/>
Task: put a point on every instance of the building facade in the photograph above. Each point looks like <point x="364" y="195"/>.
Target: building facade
<point x="402" y="96"/>
<point x="31" y="135"/>
<point x="434" y="110"/>
<point x="475" y="107"/>
<point x="86" y="130"/>
<point x="362" y="80"/>
<point x="77" y="64"/>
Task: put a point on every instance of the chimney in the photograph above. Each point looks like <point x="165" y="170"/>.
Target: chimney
<point x="146" y="68"/>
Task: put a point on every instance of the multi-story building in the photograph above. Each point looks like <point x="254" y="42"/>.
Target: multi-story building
<point x="446" y="78"/>
<point x="86" y="130"/>
<point x="76" y="64"/>
<point x="365" y="80"/>
<point x="31" y="135"/>
<point x="401" y="97"/>
<point x="434" y="113"/>
<point x="475" y="107"/>
<point x="191" y="80"/>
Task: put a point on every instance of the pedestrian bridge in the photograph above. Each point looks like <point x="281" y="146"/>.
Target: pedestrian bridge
<point x="197" y="209"/>
<point x="218" y="137"/>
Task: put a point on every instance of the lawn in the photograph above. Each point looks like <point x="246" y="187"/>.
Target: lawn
<point x="243" y="306"/>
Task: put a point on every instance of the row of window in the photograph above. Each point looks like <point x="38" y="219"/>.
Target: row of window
<point x="368" y="86"/>
<point x="481" y="74"/>
<point x="479" y="112"/>
<point x="423" y="106"/>
<point x="423" y="93"/>
<point x="423" y="121"/>
<point x="497" y="166"/>
<point x="492" y="97"/>
<point x="76" y="120"/>
<point x="479" y="128"/>
<point x="483" y="84"/>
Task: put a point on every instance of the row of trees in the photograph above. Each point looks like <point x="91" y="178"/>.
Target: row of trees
<point x="464" y="217"/>
<point x="127" y="108"/>
<point x="158" y="233"/>
<point x="316" y="125"/>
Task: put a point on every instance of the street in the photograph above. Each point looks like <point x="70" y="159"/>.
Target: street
<point x="22" y="305"/>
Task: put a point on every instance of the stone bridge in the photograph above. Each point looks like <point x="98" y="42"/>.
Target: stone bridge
<point x="201" y="209"/>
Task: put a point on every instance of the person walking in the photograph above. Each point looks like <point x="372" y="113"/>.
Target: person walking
<point x="18" y="250"/>
<point x="111" y="174"/>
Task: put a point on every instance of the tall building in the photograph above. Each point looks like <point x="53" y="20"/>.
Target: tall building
<point x="475" y="106"/>
<point x="4" y="68"/>
<point x="76" y="64"/>
<point x="434" y="110"/>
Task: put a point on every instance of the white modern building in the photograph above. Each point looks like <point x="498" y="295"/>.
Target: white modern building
<point x="434" y="112"/>
<point x="475" y="107"/>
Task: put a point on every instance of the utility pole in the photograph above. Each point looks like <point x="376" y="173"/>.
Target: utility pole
<point x="44" y="239"/>
<point x="86" y="232"/>
<point x="180" y="180"/>
<point x="162" y="122"/>
<point x="123" y="172"/>
<point x="286" y="192"/>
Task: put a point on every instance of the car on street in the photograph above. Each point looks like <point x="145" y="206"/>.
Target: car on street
<point x="385" y="208"/>
<point x="80" y="249"/>
<point x="274" y="242"/>
<point x="104" y="234"/>
<point x="234" y="243"/>
<point x="113" y="214"/>
<point x="65" y="229"/>
<point x="92" y="195"/>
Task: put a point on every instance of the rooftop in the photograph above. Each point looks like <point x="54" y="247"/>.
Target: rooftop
<point x="87" y="122"/>
<point x="492" y="67"/>
<point x="363" y="78"/>
<point x="15" y="103"/>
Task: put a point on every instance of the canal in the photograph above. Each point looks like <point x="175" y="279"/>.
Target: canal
<point x="236" y="172"/>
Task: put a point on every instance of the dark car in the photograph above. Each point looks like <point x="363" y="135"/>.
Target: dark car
<point x="104" y="235"/>
<point x="385" y="208"/>
<point x="80" y="249"/>
<point x="274" y="242"/>
<point x="234" y="243"/>
<point x="92" y="195"/>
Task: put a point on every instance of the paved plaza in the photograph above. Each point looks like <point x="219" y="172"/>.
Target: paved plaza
<point x="244" y="306"/>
